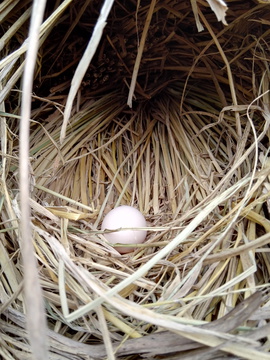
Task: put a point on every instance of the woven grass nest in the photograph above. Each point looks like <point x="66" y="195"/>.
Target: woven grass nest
<point x="188" y="146"/>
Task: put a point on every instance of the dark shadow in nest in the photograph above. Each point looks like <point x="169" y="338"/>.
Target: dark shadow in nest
<point x="168" y="53"/>
<point x="174" y="51"/>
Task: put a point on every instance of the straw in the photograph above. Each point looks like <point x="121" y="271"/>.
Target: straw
<point x="191" y="154"/>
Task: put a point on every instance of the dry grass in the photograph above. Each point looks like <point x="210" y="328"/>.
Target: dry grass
<point x="192" y="154"/>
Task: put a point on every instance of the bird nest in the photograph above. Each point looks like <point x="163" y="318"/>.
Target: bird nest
<point x="168" y="119"/>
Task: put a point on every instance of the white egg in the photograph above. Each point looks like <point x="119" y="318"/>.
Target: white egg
<point x="124" y="217"/>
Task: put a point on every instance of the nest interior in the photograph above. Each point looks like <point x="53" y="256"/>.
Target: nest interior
<point x="192" y="154"/>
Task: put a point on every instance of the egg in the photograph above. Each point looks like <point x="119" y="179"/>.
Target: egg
<point x="124" y="217"/>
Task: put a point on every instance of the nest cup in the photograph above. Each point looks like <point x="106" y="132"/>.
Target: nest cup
<point x="191" y="153"/>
